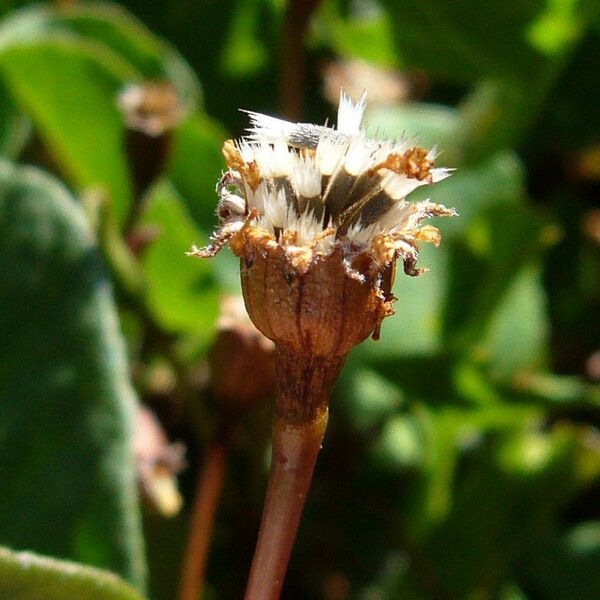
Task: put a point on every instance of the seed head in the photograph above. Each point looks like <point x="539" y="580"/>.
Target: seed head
<point x="319" y="217"/>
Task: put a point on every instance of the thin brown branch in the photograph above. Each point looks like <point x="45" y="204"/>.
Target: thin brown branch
<point x="295" y="450"/>
<point x="293" y="57"/>
<point x="210" y="484"/>
<point x="305" y="384"/>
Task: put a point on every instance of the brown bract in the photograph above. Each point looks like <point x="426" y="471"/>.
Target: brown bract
<point x="414" y="163"/>
<point x="234" y="160"/>
<point x="314" y="307"/>
<point x="318" y="309"/>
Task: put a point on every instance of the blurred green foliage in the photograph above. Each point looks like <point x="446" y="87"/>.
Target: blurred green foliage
<point x="68" y="481"/>
<point x="463" y="459"/>
<point x="24" y="575"/>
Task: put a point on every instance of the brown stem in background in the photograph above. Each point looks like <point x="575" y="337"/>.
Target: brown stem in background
<point x="147" y="157"/>
<point x="208" y="491"/>
<point x="299" y="425"/>
<point x="293" y="57"/>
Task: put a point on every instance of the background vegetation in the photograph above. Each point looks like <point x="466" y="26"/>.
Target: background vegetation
<point x="463" y="457"/>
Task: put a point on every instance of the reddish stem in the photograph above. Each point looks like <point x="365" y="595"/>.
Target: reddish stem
<point x="295" y="450"/>
<point x="305" y="382"/>
<point x="208" y="492"/>
<point x="293" y="56"/>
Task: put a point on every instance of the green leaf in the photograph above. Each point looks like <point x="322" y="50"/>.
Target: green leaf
<point x="369" y="398"/>
<point x="111" y="27"/>
<point x="559" y="392"/>
<point x="196" y="165"/>
<point x="74" y="110"/>
<point x="497" y="245"/>
<point x="569" y="121"/>
<point x="14" y="126"/>
<point x="461" y="41"/>
<point x="497" y="115"/>
<point x="182" y="291"/>
<point x="92" y="51"/>
<point x="400" y="444"/>
<point x="416" y="327"/>
<point x="116" y="28"/>
<point x="245" y="53"/>
<point x="557" y="27"/>
<point x="27" y="576"/>
<point x="518" y="331"/>
<point x="66" y="458"/>
<point x="494" y="516"/>
<point x="367" y="36"/>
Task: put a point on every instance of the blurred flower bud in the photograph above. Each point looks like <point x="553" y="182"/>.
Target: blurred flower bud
<point x="241" y="362"/>
<point x="386" y="85"/>
<point x="152" y="107"/>
<point x="158" y="463"/>
<point x="142" y="237"/>
<point x="151" y="111"/>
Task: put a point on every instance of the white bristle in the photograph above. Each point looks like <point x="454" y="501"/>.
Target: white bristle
<point x="350" y="115"/>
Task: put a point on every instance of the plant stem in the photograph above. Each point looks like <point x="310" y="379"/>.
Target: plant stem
<point x="299" y="425"/>
<point x="293" y="56"/>
<point x="210" y="484"/>
<point x="294" y="454"/>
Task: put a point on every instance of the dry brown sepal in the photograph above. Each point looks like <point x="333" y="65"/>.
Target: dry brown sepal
<point x="313" y="306"/>
<point x="414" y="163"/>
<point x="233" y="158"/>
<point x="315" y="312"/>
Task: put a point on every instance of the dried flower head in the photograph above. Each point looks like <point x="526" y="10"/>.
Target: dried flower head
<point x="319" y="216"/>
<point x="151" y="110"/>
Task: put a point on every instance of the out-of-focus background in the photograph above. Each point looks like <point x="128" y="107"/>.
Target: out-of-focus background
<point x="463" y="456"/>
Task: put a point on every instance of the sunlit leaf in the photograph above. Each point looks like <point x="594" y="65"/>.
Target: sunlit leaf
<point x="27" y="576"/>
<point x="498" y="244"/>
<point x="92" y="53"/>
<point x="518" y="331"/>
<point x="74" y="110"/>
<point x="181" y="291"/>
<point x="113" y="26"/>
<point x="196" y="166"/>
